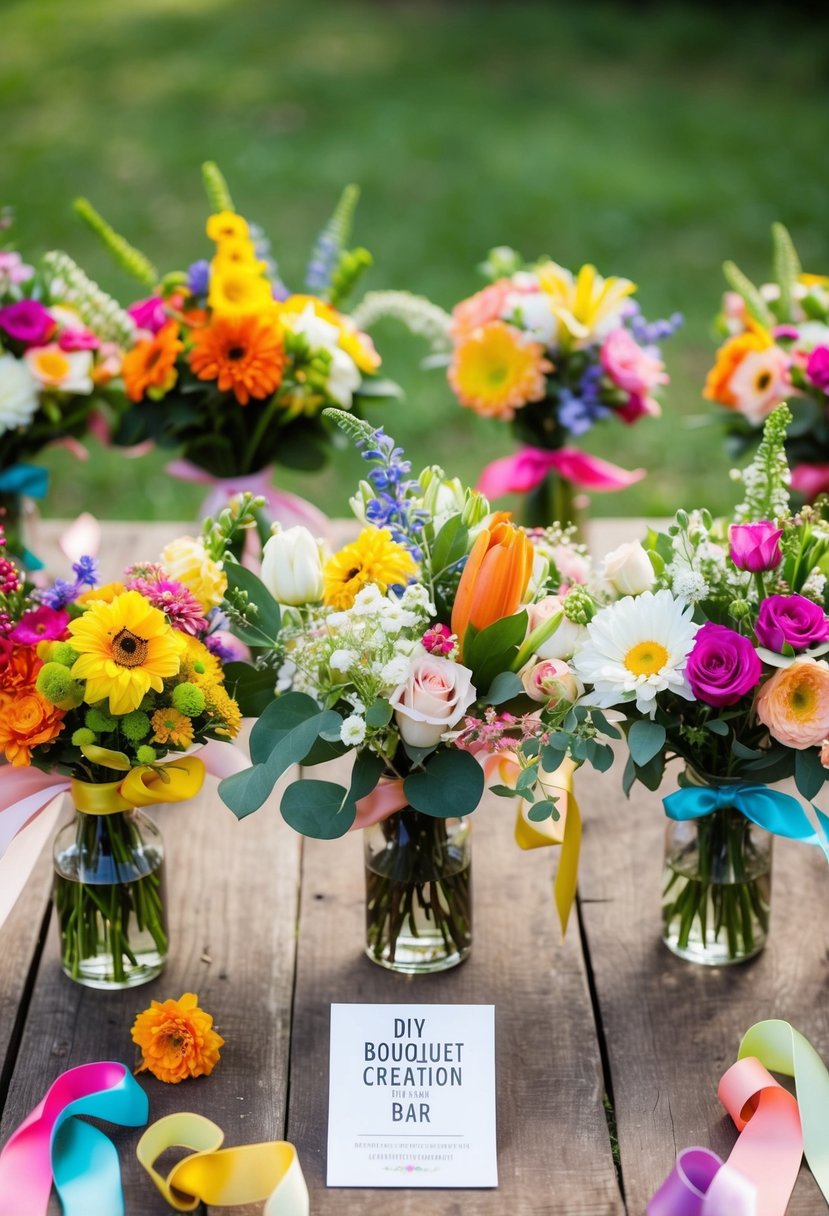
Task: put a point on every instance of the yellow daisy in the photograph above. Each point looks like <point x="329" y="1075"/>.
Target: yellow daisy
<point x="226" y="718"/>
<point x="171" y="726"/>
<point x="496" y="369"/>
<point x="227" y="225"/>
<point x="126" y="648"/>
<point x="373" y="558"/>
<point x="237" y="290"/>
<point x="199" y="665"/>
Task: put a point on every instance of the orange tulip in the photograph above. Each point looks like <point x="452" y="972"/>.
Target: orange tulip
<point x="494" y="578"/>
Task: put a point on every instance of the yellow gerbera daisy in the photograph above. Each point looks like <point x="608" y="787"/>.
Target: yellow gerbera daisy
<point x="586" y="302"/>
<point x="238" y="290"/>
<point x="496" y="369"/>
<point x="373" y="558"/>
<point x="126" y="647"/>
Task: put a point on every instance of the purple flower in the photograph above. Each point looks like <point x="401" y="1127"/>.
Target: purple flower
<point x="183" y="610"/>
<point x="723" y="666"/>
<point x="40" y="625"/>
<point x="755" y="547"/>
<point x="791" y="619"/>
<point x="27" y="321"/>
<point x="85" y="570"/>
<point x="198" y="277"/>
<point x="149" y="314"/>
<point x="817" y="369"/>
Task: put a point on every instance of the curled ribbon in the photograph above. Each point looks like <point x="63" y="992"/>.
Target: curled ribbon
<point x="144" y="785"/>
<point x="527" y="468"/>
<point x="768" y="808"/>
<point x="51" y="1143"/>
<point x="223" y="1177"/>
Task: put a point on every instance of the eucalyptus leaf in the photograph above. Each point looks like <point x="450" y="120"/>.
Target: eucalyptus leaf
<point x="645" y="740"/>
<point x="717" y="726"/>
<point x="251" y="687"/>
<point x="601" y="723"/>
<point x="451" y="783"/>
<point x="320" y="809"/>
<point x="809" y="773"/>
<point x="278" y="719"/>
<point x="505" y="686"/>
<point x="245" y="792"/>
<point x="378" y="713"/>
<point x="541" y="811"/>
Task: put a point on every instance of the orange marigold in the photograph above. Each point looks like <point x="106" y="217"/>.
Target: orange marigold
<point x="152" y="364"/>
<point x="177" y="1039"/>
<point x="26" y="719"/>
<point x="243" y="354"/>
<point x="172" y="726"/>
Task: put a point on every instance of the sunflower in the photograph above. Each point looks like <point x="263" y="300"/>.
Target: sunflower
<point x="244" y="355"/>
<point x="126" y="648"/>
<point x="497" y="369"/>
<point x="152" y="364"/>
<point x="636" y="648"/>
<point x="373" y="558"/>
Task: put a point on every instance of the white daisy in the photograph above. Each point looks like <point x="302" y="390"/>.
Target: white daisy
<point x="637" y="648"/>
<point x="353" y="731"/>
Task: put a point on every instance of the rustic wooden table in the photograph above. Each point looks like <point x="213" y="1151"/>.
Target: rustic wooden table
<point x="602" y="1038"/>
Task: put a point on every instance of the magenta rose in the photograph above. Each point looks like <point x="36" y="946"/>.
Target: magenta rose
<point x="817" y="369"/>
<point x="27" y="321"/>
<point x="755" y="547"/>
<point x="149" y="314"/>
<point x="633" y="369"/>
<point x="792" y="619"/>
<point x="723" y="666"/>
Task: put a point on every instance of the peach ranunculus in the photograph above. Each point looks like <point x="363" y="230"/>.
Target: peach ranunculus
<point x="177" y="1039"/>
<point x="26" y="720"/>
<point x="485" y="306"/>
<point x="794" y="704"/>
<point x="433" y="699"/>
<point x="629" y="366"/>
<point x="552" y="682"/>
<point x="750" y="376"/>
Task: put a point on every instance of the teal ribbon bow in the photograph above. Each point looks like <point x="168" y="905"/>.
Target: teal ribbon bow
<point x="28" y="479"/>
<point x="768" y="808"/>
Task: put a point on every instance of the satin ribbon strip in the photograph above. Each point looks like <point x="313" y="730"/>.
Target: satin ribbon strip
<point x="527" y="468"/>
<point x="51" y="1143"/>
<point x="28" y="479"/>
<point x="700" y="1184"/>
<point x="251" y="1173"/>
<point x="565" y="831"/>
<point x="768" y="808"/>
<point x="287" y="509"/>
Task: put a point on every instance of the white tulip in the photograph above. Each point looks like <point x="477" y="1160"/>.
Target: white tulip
<point x="292" y="567"/>
<point x="628" y="569"/>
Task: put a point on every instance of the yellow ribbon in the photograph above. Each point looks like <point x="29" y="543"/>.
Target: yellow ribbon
<point x="223" y="1177"/>
<point x="564" y="831"/>
<point x="144" y="785"/>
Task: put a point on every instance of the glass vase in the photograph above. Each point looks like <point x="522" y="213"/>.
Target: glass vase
<point x="716" y="894"/>
<point x="110" y="899"/>
<point x="418" y="892"/>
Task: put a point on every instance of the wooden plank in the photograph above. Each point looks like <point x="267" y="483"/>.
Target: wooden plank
<point x="672" y="1028"/>
<point x="233" y="891"/>
<point x="554" y="1150"/>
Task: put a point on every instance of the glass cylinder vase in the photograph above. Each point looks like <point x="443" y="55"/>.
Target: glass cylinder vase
<point x="110" y="899"/>
<point x="18" y="517"/>
<point x="716" y="894"/>
<point x="418" y="892"/>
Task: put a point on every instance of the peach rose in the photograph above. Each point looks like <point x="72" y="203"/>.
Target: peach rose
<point x="551" y="681"/>
<point x="794" y="704"/>
<point x="432" y="700"/>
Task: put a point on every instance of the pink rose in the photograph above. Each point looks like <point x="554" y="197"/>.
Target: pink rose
<point x="552" y="682"/>
<point x="637" y="407"/>
<point x="150" y="314"/>
<point x="794" y="704"/>
<point x="631" y="367"/>
<point x="432" y="700"/>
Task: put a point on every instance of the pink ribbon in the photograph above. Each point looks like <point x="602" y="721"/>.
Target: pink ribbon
<point x="527" y="468"/>
<point x="286" y="509"/>
<point x="384" y="800"/>
<point x="810" y="480"/>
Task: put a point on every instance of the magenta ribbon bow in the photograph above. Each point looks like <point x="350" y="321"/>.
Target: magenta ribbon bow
<point x="527" y="468"/>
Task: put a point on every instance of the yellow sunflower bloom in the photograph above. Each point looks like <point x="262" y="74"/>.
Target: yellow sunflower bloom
<point x="497" y="369"/>
<point x="373" y="558"/>
<point x="126" y="648"/>
<point x="585" y="302"/>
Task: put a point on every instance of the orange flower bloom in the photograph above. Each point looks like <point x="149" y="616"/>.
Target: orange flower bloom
<point x="244" y="354"/>
<point x="152" y="364"/>
<point x="497" y="369"/>
<point x="495" y="576"/>
<point x="172" y="726"/>
<point x="21" y="669"/>
<point x="26" y="719"/>
<point x="176" y="1039"/>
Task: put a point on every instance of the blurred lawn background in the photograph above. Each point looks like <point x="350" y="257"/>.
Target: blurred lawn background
<point x="653" y="141"/>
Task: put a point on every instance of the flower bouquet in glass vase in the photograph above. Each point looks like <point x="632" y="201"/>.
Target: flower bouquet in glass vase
<point x="60" y="351"/>
<point x="233" y="368"/>
<point x="719" y="663"/>
<point x="105" y="691"/>
<point x="776" y="348"/>
<point x="417" y="649"/>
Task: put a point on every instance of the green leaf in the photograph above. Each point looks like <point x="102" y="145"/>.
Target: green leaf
<point x="809" y="773"/>
<point x="645" y="740"/>
<point x="717" y="726"/>
<point x="265" y="630"/>
<point x="245" y="792"/>
<point x="322" y="751"/>
<point x="600" y="755"/>
<point x="651" y="774"/>
<point x="628" y="776"/>
<point x="449" y="546"/>
<point x="754" y="301"/>
<point x="251" y="687"/>
<point x="367" y="771"/>
<point x="601" y="723"/>
<point x="504" y="687"/>
<point x="288" y="729"/>
<point x="319" y="809"/>
<point x="451" y="783"/>
<point x="493" y="649"/>
<point x="378" y="713"/>
<point x="787" y="268"/>
<point x="503" y="791"/>
<point x="416" y="754"/>
<point x="542" y="811"/>
<point x="745" y="753"/>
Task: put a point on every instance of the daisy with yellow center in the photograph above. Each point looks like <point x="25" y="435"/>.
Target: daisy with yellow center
<point x="496" y="370"/>
<point x="750" y="375"/>
<point x="68" y="371"/>
<point x="637" y="648"/>
<point x="373" y="558"/>
<point x="200" y="666"/>
<point x="352" y="340"/>
<point x="125" y="648"/>
<point x="225" y="715"/>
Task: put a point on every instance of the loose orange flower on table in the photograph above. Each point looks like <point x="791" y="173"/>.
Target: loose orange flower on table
<point x="177" y="1040"/>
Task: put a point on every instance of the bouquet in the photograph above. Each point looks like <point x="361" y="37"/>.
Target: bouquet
<point x="105" y="691"/>
<point x="426" y="648"/>
<point x="717" y="659"/>
<point x="60" y="347"/>
<point x="552" y="354"/>
<point x="233" y="368"/>
<point x="776" y="349"/>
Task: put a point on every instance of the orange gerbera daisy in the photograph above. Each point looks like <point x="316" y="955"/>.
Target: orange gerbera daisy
<point x="152" y="364"/>
<point x="177" y="1039"/>
<point x="243" y="354"/>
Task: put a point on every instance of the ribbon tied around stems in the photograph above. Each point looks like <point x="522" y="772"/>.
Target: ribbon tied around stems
<point x="771" y="809"/>
<point x="527" y="468"/>
<point x="221" y="1177"/>
<point x="33" y="481"/>
<point x="51" y="1143"/>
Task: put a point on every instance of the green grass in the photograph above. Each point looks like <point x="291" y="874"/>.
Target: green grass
<point x="653" y="142"/>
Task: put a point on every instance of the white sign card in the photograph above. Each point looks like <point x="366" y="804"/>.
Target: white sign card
<point x="411" y="1096"/>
